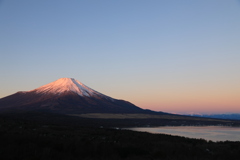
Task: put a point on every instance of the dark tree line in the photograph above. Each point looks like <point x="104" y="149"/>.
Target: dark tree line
<point x="27" y="139"/>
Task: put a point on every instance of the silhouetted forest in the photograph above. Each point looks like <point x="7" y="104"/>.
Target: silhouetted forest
<point x="58" y="137"/>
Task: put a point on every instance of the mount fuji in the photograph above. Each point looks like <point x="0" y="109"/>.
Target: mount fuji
<point x="66" y="95"/>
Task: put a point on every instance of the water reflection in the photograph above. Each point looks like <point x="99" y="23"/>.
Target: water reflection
<point x="213" y="133"/>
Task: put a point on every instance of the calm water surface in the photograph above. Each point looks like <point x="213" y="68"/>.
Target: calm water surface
<point x="213" y="133"/>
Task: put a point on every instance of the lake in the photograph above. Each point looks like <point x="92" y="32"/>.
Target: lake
<point x="213" y="133"/>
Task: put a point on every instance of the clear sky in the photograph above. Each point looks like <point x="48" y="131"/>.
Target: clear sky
<point x="165" y="55"/>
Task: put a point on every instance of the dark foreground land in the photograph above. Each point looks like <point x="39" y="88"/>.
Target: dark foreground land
<point x="49" y="136"/>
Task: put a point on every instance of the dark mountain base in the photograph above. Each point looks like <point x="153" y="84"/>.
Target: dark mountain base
<point x="57" y="137"/>
<point x="46" y="118"/>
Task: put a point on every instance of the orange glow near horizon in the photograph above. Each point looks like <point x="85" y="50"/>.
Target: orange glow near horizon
<point x="217" y="101"/>
<point x="220" y="106"/>
<point x="192" y="108"/>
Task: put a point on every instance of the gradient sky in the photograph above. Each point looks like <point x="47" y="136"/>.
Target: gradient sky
<point x="165" y="55"/>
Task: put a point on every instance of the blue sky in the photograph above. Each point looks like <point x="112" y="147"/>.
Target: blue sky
<point x="166" y="55"/>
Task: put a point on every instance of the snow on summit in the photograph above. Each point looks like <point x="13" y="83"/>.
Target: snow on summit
<point x="68" y="84"/>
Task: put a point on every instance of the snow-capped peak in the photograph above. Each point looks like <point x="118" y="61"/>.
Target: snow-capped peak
<point x="69" y="84"/>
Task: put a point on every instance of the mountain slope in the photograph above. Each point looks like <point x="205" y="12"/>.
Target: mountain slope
<point x="66" y="95"/>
